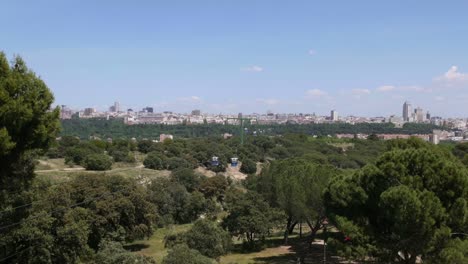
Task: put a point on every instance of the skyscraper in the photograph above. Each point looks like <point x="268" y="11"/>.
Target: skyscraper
<point x="334" y="115"/>
<point x="419" y="115"/>
<point x="407" y="111"/>
<point x="116" y="107"/>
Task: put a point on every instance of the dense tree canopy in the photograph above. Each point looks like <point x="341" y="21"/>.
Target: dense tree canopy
<point x="27" y="123"/>
<point x="408" y="205"/>
<point x="208" y="238"/>
<point x="115" y="128"/>
<point x="295" y="186"/>
<point x="249" y="216"/>
<point x="181" y="253"/>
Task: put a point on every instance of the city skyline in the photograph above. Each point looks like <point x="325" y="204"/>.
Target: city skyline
<point x="362" y="58"/>
<point x="116" y="106"/>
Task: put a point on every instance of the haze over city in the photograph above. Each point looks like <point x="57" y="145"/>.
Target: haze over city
<point x="362" y="58"/>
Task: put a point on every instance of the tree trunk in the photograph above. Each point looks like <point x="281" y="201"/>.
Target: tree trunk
<point x="314" y="229"/>
<point x="286" y="231"/>
<point x="291" y="227"/>
<point x="300" y="230"/>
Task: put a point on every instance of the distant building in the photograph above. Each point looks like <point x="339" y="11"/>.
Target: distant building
<point x="434" y="139"/>
<point x="396" y="120"/>
<point x="419" y="115"/>
<point x="148" y="109"/>
<point x="89" y="111"/>
<point x="65" y="112"/>
<point x="196" y="112"/>
<point x="115" y="108"/>
<point x="334" y="115"/>
<point x="407" y="112"/>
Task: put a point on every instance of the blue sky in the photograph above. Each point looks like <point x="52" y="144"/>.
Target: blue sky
<point x="358" y="57"/>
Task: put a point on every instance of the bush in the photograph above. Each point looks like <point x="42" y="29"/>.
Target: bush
<point x="188" y="178"/>
<point x="122" y="156"/>
<point x="113" y="252"/>
<point x="154" y="161"/>
<point x="177" y="163"/>
<point x="248" y="166"/>
<point x="208" y="238"/>
<point x="99" y="162"/>
<point x="144" y="146"/>
<point x="183" y="254"/>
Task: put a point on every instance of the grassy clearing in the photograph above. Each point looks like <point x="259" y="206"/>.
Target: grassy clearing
<point x="53" y="164"/>
<point x="273" y="252"/>
<point x="56" y="170"/>
<point x="154" y="246"/>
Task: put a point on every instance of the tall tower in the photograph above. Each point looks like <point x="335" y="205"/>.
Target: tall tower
<point x="334" y="115"/>
<point x="407" y="111"/>
<point x="116" y="107"/>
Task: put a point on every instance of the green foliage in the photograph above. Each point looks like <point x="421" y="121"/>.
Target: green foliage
<point x="98" y="162"/>
<point x="206" y="236"/>
<point x="113" y="252"/>
<point x="75" y="217"/>
<point x="27" y="124"/>
<point x="249" y="216"/>
<point x="214" y="187"/>
<point x="188" y="178"/>
<point x="455" y="252"/>
<point x="115" y="128"/>
<point x="174" y="203"/>
<point x="410" y="201"/>
<point x="177" y="163"/>
<point x="154" y="161"/>
<point x="78" y="154"/>
<point x="181" y="253"/>
<point x="248" y="166"/>
<point x="295" y="186"/>
<point x="144" y="146"/>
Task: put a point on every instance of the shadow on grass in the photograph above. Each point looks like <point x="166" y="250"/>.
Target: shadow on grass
<point x="298" y="247"/>
<point x="136" y="247"/>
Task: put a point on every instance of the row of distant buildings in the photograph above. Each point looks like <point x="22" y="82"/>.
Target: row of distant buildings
<point x="435" y="137"/>
<point x="147" y="116"/>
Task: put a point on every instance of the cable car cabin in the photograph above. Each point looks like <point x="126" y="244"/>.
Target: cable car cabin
<point x="214" y="161"/>
<point x="234" y="162"/>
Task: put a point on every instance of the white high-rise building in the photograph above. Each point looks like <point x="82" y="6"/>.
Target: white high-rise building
<point x="407" y="113"/>
<point x="419" y="115"/>
<point x="116" y="107"/>
<point x="334" y="115"/>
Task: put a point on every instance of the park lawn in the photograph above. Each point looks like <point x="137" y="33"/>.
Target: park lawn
<point x="52" y="164"/>
<point x="154" y="246"/>
<point x="280" y="254"/>
<point x="274" y="251"/>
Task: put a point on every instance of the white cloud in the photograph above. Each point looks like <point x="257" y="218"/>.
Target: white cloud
<point x="386" y="88"/>
<point x="360" y="91"/>
<point x="312" y="93"/>
<point x="191" y="99"/>
<point x="414" y="88"/>
<point x="253" y="68"/>
<point x="453" y="76"/>
<point x="312" y="52"/>
<point x="269" y="101"/>
<point x="408" y="88"/>
<point x="439" y="98"/>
